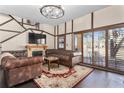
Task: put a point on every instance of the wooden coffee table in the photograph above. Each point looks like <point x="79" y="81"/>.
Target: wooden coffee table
<point x="50" y="60"/>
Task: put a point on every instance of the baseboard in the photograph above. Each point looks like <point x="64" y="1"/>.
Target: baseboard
<point x="104" y="69"/>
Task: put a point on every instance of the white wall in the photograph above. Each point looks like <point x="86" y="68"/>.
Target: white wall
<point x="56" y="43"/>
<point x="48" y="28"/>
<point x="50" y="41"/>
<point x="62" y="28"/>
<point x="68" y="42"/>
<point x="27" y="26"/>
<point x="108" y="16"/>
<point x="82" y="23"/>
<point x="19" y="42"/>
<point x="13" y="25"/>
<point x="4" y="18"/>
<point x="4" y="35"/>
<point x="68" y="26"/>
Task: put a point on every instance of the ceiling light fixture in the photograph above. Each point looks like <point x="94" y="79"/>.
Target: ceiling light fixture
<point x="52" y="11"/>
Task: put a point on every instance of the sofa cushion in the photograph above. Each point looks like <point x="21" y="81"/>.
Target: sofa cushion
<point x="64" y="57"/>
<point x="20" y="62"/>
<point x="5" y="60"/>
<point x="54" y="55"/>
<point x="6" y="54"/>
<point x="17" y="53"/>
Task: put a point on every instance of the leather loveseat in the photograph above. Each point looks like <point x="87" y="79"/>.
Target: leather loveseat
<point x="19" y="70"/>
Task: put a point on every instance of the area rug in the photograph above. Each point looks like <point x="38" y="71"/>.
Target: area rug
<point x="62" y="77"/>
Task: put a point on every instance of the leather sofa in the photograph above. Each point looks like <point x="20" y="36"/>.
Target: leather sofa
<point x="17" y="53"/>
<point x="19" y="70"/>
<point x="65" y="56"/>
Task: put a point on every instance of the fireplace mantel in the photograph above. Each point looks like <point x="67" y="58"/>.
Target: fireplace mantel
<point x="35" y="47"/>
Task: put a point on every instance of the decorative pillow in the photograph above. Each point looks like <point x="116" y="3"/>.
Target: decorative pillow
<point x="4" y="55"/>
<point x="77" y="53"/>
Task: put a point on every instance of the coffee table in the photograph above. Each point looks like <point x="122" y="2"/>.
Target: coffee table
<point x="50" y="60"/>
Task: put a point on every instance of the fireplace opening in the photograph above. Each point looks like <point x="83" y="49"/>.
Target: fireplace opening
<point x="37" y="53"/>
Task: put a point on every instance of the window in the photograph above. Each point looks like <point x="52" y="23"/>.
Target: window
<point x="77" y="42"/>
<point x="99" y="48"/>
<point x="87" y="47"/>
<point x="116" y="48"/>
<point x="61" y="42"/>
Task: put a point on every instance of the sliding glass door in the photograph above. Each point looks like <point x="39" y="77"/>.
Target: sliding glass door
<point x="104" y="48"/>
<point x="94" y="46"/>
<point x="116" y="48"/>
<point x="99" y="48"/>
<point x="87" y="48"/>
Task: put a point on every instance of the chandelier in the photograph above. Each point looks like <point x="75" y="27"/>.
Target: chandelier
<point x="52" y="11"/>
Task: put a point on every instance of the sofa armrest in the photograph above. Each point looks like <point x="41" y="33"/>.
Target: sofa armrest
<point x="76" y="60"/>
<point x="21" y="62"/>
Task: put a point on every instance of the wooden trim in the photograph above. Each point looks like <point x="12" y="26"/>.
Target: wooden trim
<point x="65" y="37"/>
<point x="5" y="30"/>
<point x="54" y="37"/>
<point x="57" y="37"/>
<point x="36" y="46"/>
<point x="18" y="22"/>
<point x="118" y="25"/>
<point x="106" y="48"/>
<point x="72" y="26"/>
<point x="32" y="31"/>
<point x="42" y="31"/>
<point x="72" y="36"/>
<point x="92" y="25"/>
<point x="103" y="68"/>
<point x="84" y="31"/>
<point x="22" y="22"/>
<point x="27" y="24"/>
<point x="38" y="26"/>
<point x="6" y="22"/>
<point x="99" y="28"/>
<point x="82" y="48"/>
<point x="92" y="20"/>
<point x="13" y="36"/>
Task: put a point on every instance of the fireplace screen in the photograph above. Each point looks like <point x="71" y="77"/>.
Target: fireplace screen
<point x="37" y="53"/>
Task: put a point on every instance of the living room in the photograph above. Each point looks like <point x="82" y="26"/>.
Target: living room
<point x="50" y="47"/>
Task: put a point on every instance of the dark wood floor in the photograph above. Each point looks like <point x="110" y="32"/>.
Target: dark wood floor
<point x="97" y="79"/>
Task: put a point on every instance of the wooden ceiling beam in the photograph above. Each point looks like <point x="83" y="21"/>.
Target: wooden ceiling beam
<point x="5" y="30"/>
<point x="6" y="22"/>
<point x="42" y="31"/>
<point x="18" y="22"/>
<point x="13" y="36"/>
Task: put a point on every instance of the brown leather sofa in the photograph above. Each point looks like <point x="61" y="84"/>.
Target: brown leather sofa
<point x="19" y="70"/>
<point x="65" y="56"/>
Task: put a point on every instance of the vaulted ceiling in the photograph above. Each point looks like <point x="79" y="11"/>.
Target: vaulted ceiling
<point x="32" y="12"/>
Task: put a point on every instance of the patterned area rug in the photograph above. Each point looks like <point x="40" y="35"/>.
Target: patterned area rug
<point x="62" y="77"/>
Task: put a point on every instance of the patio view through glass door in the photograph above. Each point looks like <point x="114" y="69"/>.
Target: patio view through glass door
<point x="99" y="48"/>
<point x="104" y="48"/>
<point x="87" y="47"/>
<point x="116" y="48"/>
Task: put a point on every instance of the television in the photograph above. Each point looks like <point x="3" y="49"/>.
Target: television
<point x="35" y="38"/>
